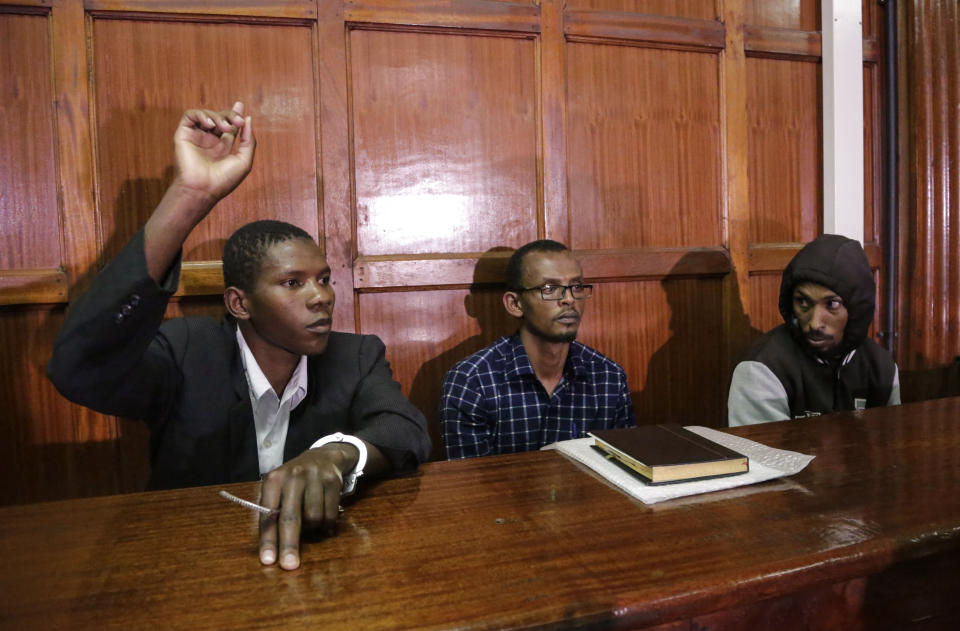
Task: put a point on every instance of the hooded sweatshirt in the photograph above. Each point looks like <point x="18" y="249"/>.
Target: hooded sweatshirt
<point x="781" y="378"/>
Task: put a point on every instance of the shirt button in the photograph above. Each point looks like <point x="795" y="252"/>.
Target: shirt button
<point x="267" y="443"/>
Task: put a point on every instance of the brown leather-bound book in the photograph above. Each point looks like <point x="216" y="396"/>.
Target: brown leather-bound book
<point x="668" y="453"/>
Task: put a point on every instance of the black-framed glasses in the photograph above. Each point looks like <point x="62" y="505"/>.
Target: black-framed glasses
<point x="579" y="291"/>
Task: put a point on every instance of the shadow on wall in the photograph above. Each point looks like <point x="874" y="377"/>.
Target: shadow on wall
<point x="57" y="449"/>
<point x="484" y="303"/>
<point x="936" y="382"/>
<point x="689" y="375"/>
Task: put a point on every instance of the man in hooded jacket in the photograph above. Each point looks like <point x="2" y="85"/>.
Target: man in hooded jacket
<point x="820" y="360"/>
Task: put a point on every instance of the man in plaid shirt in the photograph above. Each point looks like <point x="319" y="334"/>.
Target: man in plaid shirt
<point x="537" y="386"/>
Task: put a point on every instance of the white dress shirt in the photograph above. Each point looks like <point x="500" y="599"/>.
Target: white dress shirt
<point x="271" y="415"/>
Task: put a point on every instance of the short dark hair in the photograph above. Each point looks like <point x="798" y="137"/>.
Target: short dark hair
<point x="515" y="264"/>
<point x="244" y="251"/>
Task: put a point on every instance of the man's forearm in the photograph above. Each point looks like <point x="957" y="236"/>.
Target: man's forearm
<point x="164" y="234"/>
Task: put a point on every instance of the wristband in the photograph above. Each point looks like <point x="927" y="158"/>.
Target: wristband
<point x="349" y="478"/>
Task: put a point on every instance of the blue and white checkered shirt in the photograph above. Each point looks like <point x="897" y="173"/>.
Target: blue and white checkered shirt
<point x="493" y="403"/>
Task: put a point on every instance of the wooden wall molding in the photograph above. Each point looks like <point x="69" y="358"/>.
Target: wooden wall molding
<point x="472" y="14"/>
<point x="288" y="9"/>
<point x="590" y="25"/>
<point x="774" y="257"/>
<point x="781" y="42"/>
<point x="39" y="286"/>
<point x="428" y="272"/>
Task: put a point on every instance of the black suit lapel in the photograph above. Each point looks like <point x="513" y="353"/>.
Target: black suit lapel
<point x="243" y="457"/>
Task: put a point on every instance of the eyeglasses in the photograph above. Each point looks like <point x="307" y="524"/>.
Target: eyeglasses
<point x="579" y="291"/>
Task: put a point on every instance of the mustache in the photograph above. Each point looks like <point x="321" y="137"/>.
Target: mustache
<point x="814" y="336"/>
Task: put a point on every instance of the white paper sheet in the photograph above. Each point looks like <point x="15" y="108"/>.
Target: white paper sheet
<point x="766" y="463"/>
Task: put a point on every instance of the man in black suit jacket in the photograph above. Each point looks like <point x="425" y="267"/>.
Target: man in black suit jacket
<point x="271" y="390"/>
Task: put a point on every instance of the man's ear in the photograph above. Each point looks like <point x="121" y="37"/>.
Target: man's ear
<point x="236" y="302"/>
<point x="511" y="302"/>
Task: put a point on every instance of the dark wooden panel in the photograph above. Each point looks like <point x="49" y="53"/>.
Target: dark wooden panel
<point x="445" y="141"/>
<point x="764" y="301"/>
<point x="670" y="352"/>
<point x="929" y="220"/>
<point x="147" y="72"/>
<point x="791" y="14"/>
<point x="697" y="9"/>
<point x="426" y="332"/>
<point x="783" y="109"/>
<point x="51" y="449"/>
<point x="643" y="147"/>
<point x="28" y="178"/>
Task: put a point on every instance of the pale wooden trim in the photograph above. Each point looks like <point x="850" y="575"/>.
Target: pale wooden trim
<point x="39" y="286"/>
<point x="201" y="278"/>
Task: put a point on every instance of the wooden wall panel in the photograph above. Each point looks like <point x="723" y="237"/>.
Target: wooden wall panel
<point x="783" y="109"/>
<point x="28" y="176"/>
<point x="765" y="299"/>
<point x="51" y="449"/>
<point x="643" y="147"/>
<point x="445" y="141"/>
<point x="801" y="15"/>
<point x="145" y="72"/>
<point x="674" y="145"/>
<point x="929" y="218"/>
<point x="426" y="332"/>
<point x="675" y="348"/>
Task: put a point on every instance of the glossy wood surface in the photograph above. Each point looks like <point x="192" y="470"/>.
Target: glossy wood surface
<point x="147" y="69"/>
<point x="644" y="155"/>
<point x="929" y="237"/>
<point x="529" y="540"/>
<point x="445" y="153"/>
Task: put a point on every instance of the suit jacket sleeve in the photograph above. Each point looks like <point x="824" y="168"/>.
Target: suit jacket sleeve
<point x="108" y="356"/>
<point x="353" y="391"/>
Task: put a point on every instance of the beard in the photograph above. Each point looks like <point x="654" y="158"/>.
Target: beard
<point x="558" y="338"/>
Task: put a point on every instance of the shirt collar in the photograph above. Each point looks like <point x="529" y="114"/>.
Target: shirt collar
<point x="518" y="361"/>
<point x="296" y="388"/>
